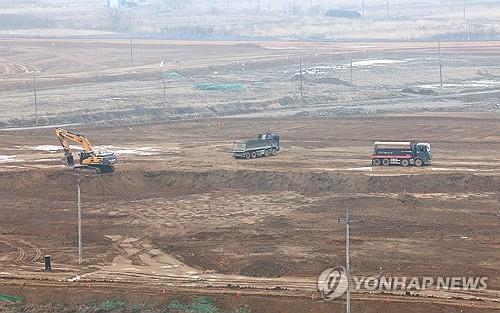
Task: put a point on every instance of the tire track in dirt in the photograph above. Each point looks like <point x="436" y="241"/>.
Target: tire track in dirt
<point x="26" y="251"/>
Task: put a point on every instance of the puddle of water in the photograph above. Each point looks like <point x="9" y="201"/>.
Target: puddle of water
<point x="133" y="150"/>
<point x="365" y="169"/>
<point x="455" y="169"/>
<point x="322" y="69"/>
<point x="118" y="150"/>
<point x="376" y="62"/>
<point x="38" y="127"/>
<point x="465" y="84"/>
<point x="47" y="148"/>
<point x="8" y="159"/>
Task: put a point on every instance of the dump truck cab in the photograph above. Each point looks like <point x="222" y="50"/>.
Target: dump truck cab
<point x="269" y="136"/>
<point x="424" y="152"/>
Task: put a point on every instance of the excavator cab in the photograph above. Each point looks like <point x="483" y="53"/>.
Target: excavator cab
<point x="84" y="155"/>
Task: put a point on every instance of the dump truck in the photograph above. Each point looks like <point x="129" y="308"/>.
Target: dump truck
<point x="267" y="144"/>
<point x="403" y="153"/>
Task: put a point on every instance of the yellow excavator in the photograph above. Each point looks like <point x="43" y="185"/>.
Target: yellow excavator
<point x="97" y="161"/>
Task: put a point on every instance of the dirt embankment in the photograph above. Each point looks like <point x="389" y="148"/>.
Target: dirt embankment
<point x="134" y="184"/>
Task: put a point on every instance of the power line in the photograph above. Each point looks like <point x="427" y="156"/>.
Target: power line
<point x="440" y="67"/>
<point x="131" y="53"/>
<point x="351" y="70"/>
<point x="464" y="10"/>
<point x="347" y="262"/>
<point x="347" y="222"/>
<point x="34" y="96"/>
<point x="301" y="78"/>
<point x="80" y="245"/>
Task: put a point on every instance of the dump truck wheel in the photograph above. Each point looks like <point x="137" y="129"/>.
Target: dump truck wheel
<point x="386" y="162"/>
<point x="254" y="154"/>
<point x="267" y="152"/>
<point x="247" y="155"/>
<point x="405" y="162"/>
<point x="376" y="162"/>
<point x="418" y="163"/>
<point x="274" y="151"/>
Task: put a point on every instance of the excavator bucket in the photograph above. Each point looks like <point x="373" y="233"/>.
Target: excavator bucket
<point x="68" y="160"/>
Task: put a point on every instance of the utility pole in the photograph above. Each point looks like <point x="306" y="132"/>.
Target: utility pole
<point x="464" y="10"/>
<point x="162" y="65"/>
<point x="301" y="78"/>
<point x="8" y="41"/>
<point x="347" y="263"/>
<point x="131" y="53"/>
<point x="34" y="95"/>
<point x="347" y="223"/>
<point x="80" y="247"/>
<point x="440" y="67"/>
<point x="363" y="8"/>
<point x="351" y="71"/>
<point x="164" y="88"/>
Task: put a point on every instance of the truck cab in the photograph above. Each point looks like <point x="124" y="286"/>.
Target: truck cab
<point x="423" y="151"/>
<point x="273" y="138"/>
<point x="269" y="136"/>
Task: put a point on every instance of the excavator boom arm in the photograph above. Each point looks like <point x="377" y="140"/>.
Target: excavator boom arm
<point x="64" y="136"/>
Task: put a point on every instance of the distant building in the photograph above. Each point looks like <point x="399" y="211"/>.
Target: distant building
<point x="114" y="4"/>
<point x="342" y="13"/>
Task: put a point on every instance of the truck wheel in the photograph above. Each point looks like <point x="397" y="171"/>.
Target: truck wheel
<point x="247" y="155"/>
<point x="376" y="162"/>
<point x="418" y="162"/>
<point x="405" y="162"/>
<point x="386" y="162"/>
<point x="254" y="154"/>
<point x="274" y="151"/>
<point x="267" y="152"/>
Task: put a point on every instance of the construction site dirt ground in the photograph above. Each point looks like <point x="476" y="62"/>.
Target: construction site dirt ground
<point x="180" y="217"/>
